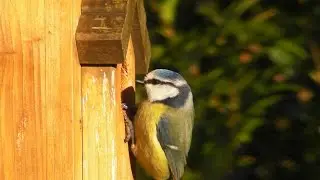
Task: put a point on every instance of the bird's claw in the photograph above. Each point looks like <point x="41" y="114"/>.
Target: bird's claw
<point x="128" y="125"/>
<point x="133" y="149"/>
<point x="124" y="106"/>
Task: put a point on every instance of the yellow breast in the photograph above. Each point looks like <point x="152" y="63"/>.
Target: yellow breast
<point x="149" y="153"/>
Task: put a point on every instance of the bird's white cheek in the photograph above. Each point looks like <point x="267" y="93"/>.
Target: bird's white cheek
<point x="161" y="92"/>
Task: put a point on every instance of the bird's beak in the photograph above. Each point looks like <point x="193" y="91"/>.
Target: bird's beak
<point x="139" y="81"/>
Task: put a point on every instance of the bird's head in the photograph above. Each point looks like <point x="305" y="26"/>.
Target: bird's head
<point x="168" y="87"/>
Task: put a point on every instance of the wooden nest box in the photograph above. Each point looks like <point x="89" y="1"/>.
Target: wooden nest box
<point x="65" y="68"/>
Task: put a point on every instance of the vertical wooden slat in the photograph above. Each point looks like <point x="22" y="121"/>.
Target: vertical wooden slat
<point x="40" y="125"/>
<point x="77" y="116"/>
<point x="51" y="92"/>
<point x="7" y="128"/>
<point x="140" y="39"/>
<point x="99" y="128"/>
<point x="77" y="123"/>
<point x="105" y="155"/>
<point x="127" y="86"/>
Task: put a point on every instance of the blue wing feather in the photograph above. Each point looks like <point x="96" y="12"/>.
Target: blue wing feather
<point x="172" y="139"/>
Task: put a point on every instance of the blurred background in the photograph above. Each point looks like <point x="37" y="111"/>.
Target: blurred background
<point x="254" y="68"/>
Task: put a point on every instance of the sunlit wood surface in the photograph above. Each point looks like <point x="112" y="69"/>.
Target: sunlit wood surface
<point x="40" y="122"/>
<point x="60" y="118"/>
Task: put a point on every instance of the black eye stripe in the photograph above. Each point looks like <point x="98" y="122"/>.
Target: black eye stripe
<point x="157" y="81"/>
<point x="153" y="81"/>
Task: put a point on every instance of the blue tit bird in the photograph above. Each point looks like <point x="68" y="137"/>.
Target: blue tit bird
<point x="163" y="125"/>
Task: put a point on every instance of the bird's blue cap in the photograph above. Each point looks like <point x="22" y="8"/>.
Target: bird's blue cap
<point x="166" y="74"/>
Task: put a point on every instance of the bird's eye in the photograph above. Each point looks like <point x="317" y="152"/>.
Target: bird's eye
<point x="153" y="81"/>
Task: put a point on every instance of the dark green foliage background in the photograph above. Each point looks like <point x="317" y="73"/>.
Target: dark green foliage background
<point x="254" y="68"/>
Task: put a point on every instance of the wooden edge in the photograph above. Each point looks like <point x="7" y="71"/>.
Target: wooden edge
<point x="103" y="31"/>
<point x="128" y="86"/>
<point x="140" y="39"/>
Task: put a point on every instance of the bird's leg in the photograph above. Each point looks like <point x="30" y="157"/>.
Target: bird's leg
<point x="129" y="129"/>
<point x="128" y="125"/>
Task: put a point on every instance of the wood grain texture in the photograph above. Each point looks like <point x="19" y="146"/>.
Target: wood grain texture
<point x="128" y="74"/>
<point x="105" y="155"/>
<point x="127" y="77"/>
<point x="140" y="39"/>
<point x="40" y="127"/>
<point x="43" y="88"/>
<point x="103" y="31"/>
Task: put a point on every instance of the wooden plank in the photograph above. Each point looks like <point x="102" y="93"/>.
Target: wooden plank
<point x="103" y="31"/>
<point x="140" y="39"/>
<point x="7" y="128"/>
<point x="40" y="130"/>
<point x="126" y="77"/>
<point x="100" y="133"/>
<point x="105" y="153"/>
<point x="40" y="120"/>
<point x="77" y="114"/>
